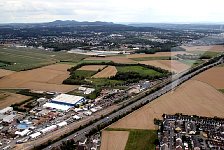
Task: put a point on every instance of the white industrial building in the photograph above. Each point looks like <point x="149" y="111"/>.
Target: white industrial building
<point x="66" y="99"/>
<point x="76" y="117"/>
<point x="62" y="124"/>
<point x="9" y="118"/>
<point x="35" y="135"/>
<point x="23" y="133"/>
<point x="6" y="110"/>
<point x="49" y="129"/>
<point x="57" y="106"/>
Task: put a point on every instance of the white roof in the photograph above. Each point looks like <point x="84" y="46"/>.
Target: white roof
<point x="23" y="133"/>
<point x="76" y="117"/>
<point x="93" y="110"/>
<point x="71" y="99"/>
<point x="35" y="135"/>
<point x="57" y="106"/>
<point x="9" y="118"/>
<point x="7" y="109"/>
<point x="48" y="129"/>
<point x="61" y="124"/>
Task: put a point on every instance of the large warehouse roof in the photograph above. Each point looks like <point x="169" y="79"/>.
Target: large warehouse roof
<point x="57" y="106"/>
<point x="68" y="99"/>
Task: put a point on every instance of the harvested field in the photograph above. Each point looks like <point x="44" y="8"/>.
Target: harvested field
<point x="117" y="59"/>
<point x="171" y="65"/>
<point x="214" y="48"/>
<point x="92" y="67"/>
<point x="4" y="72"/>
<point x="158" y="54"/>
<point x="106" y="73"/>
<point x="47" y="78"/>
<point x="7" y="99"/>
<point x="114" y="140"/>
<point x="192" y="98"/>
<point x="213" y="77"/>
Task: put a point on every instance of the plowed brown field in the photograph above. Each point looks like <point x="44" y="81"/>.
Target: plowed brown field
<point x="4" y="72"/>
<point x="114" y="140"/>
<point x="192" y="98"/>
<point x="214" y="48"/>
<point x="106" y="73"/>
<point x="92" y="67"/>
<point x="213" y="76"/>
<point x="47" y="78"/>
<point x="171" y="65"/>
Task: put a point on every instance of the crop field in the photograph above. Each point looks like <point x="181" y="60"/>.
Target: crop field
<point x="156" y="55"/>
<point x="18" y="59"/>
<point x="213" y="77"/>
<point x="114" y="140"/>
<point x="106" y="73"/>
<point x="139" y="69"/>
<point x="118" y="59"/>
<point x="213" y="48"/>
<point x="4" y="72"/>
<point x="47" y="78"/>
<point x="83" y="73"/>
<point x="92" y="67"/>
<point x="7" y="99"/>
<point x="170" y="65"/>
<point x="192" y="98"/>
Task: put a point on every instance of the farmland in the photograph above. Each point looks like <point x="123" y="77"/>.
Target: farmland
<point x="116" y="59"/>
<point x="47" y="78"/>
<point x="4" y="72"/>
<point x="213" y="77"/>
<point x="7" y="98"/>
<point x="156" y="55"/>
<point x="18" y="59"/>
<point x="213" y="48"/>
<point x="92" y="67"/>
<point x="192" y="98"/>
<point x="114" y="140"/>
<point x="106" y="73"/>
<point x="171" y="65"/>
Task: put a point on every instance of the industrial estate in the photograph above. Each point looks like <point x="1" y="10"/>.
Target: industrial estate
<point x="99" y="85"/>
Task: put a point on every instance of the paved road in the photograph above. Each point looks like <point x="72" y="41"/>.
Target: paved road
<point x="177" y="81"/>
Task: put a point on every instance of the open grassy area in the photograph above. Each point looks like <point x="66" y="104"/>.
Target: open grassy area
<point x="18" y="59"/>
<point x="152" y="58"/>
<point x="141" y="140"/>
<point x="206" y="53"/>
<point x="83" y="74"/>
<point x="143" y="71"/>
<point x="192" y="63"/>
<point x="106" y="82"/>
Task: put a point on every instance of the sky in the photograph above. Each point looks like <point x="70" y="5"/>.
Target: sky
<point x="147" y="11"/>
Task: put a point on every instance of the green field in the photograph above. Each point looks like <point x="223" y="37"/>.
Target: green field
<point x="24" y="59"/>
<point x="206" y="53"/>
<point x="143" y="71"/>
<point x="141" y="140"/>
<point x="221" y="90"/>
<point x="152" y="58"/>
<point x="82" y="74"/>
<point x="192" y="63"/>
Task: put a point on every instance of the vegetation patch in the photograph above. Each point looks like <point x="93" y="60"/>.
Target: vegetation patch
<point x="141" y="140"/>
<point x="192" y="63"/>
<point x="152" y="58"/>
<point x="221" y="90"/>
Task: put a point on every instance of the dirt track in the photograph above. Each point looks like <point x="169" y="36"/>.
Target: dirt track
<point x="192" y="98"/>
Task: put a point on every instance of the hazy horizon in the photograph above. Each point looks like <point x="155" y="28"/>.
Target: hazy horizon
<point x="143" y="11"/>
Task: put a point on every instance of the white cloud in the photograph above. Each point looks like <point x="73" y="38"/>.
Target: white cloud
<point x="112" y="10"/>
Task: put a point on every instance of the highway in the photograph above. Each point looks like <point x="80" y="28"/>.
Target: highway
<point x="177" y="80"/>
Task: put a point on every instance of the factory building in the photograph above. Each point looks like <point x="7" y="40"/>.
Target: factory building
<point x="66" y="99"/>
